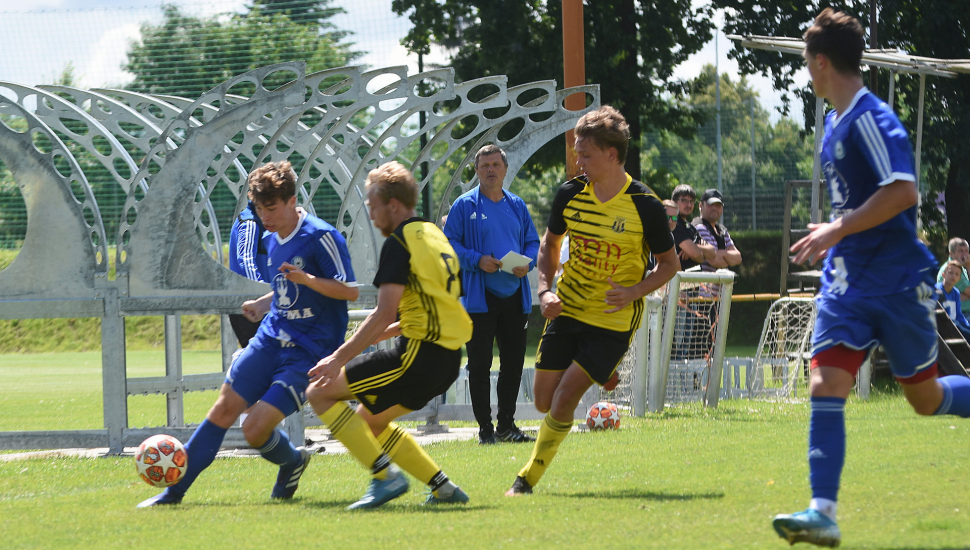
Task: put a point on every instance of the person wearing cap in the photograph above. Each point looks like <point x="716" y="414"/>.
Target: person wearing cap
<point x="713" y="232"/>
<point x="691" y="249"/>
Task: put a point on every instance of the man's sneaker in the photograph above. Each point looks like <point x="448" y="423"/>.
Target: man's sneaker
<point x="520" y="487"/>
<point x="486" y="439"/>
<point x="611" y="384"/>
<point x="288" y="479"/>
<point x="160" y="499"/>
<point x="809" y="526"/>
<point x="514" y="435"/>
<point x="382" y="491"/>
<point x="458" y="497"/>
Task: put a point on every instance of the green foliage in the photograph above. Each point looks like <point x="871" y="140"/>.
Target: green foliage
<point x="185" y="55"/>
<point x="687" y="478"/>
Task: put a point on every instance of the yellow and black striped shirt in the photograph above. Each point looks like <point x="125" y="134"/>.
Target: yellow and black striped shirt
<point x="418" y="256"/>
<point x="612" y="239"/>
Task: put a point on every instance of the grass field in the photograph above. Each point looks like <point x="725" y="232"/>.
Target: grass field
<point x="687" y="478"/>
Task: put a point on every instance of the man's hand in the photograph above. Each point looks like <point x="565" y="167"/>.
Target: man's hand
<point x="550" y="305"/>
<point x="520" y="271"/>
<point x="619" y="296"/>
<point x="326" y="370"/>
<point x="489" y="264"/>
<point x="295" y="274"/>
<point x="254" y="310"/>
<point x="815" y="246"/>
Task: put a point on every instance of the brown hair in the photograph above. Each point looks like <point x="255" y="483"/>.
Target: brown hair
<point x="956" y="264"/>
<point x="394" y="181"/>
<point x="839" y="37"/>
<point x="606" y="128"/>
<point x="491" y="149"/>
<point x="271" y="182"/>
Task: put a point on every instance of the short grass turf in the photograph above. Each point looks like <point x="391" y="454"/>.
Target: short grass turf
<point x="687" y="478"/>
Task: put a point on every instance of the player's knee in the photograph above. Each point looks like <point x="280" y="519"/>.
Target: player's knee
<point x="543" y="407"/>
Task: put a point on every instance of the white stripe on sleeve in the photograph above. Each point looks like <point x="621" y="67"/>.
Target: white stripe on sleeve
<point x="875" y="144"/>
<point x="331" y="247"/>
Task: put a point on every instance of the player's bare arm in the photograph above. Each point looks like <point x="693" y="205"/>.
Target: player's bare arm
<point x="732" y="256"/>
<point x="668" y="264"/>
<point x="254" y="310"/>
<point x="547" y="265"/>
<point x="370" y="331"/>
<point x="331" y="288"/>
<point x="883" y="205"/>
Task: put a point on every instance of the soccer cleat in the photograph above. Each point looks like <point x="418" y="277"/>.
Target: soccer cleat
<point x="458" y="497"/>
<point x="809" y="526"/>
<point x="488" y="439"/>
<point x="514" y="435"/>
<point x="288" y="479"/>
<point x="382" y="491"/>
<point x="160" y="499"/>
<point x="611" y="384"/>
<point x="520" y="487"/>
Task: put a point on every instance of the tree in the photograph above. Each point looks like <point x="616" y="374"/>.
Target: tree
<point x="312" y="13"/>
<point x="928" y="28"/>
<point x="632" y="47"/>
<point x="187" y="56"/>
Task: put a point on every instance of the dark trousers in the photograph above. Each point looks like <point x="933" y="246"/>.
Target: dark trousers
<point x="243" y="327"/>
<point x="505" y="323"/>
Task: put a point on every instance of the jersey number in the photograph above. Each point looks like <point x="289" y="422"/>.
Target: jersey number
<point x="448" y="258"/>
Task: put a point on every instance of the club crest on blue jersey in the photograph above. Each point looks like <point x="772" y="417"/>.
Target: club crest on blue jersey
<point x="287" y="292"/>
<point x="298" y="261"/>
<point x="838" y="188"/>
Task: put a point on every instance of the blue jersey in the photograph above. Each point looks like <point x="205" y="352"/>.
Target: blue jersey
<point x="247" y="252"/>
<point x="863" y="149"/>
<point x="301" y="316"/>
<point x="951" y="303"/>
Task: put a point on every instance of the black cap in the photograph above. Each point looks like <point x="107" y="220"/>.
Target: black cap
<point x="712" y="196"/>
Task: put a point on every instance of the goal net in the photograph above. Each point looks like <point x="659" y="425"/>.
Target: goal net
<point x="780" y="368"/>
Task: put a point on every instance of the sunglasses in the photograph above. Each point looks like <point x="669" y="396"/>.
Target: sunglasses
<point x="672" y="218"/>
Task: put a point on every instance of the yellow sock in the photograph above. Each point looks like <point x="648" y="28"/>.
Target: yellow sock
<point x="405" y="451"/>
<point x="348" y="427"/>
<point x="551" y="435"/>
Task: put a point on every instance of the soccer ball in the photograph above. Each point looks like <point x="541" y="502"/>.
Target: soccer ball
<point x="161" y="460"/>
<point x="603" y="416"/>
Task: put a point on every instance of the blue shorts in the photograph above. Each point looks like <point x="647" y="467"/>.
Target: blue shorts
<point x="266" y="371"/>
<point x="904" y="323"/>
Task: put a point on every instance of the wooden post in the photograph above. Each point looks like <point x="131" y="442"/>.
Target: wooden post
<point x="574" y="70"/>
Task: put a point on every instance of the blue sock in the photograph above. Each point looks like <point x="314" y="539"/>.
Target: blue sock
<point x="956" y="396"/>
<point x="826" y="446"/>
<point x="201" y="450"/>
<point x="279" y="450"/>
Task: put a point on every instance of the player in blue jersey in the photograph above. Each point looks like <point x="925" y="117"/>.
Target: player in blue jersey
<point x="877" y="286"/>
<point x="307" y="319"/>
<point x="949" y="296"/>
<point x="247" y="257"/>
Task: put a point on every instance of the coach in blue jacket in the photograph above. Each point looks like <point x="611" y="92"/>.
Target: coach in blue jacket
<point x="484" y="225"/>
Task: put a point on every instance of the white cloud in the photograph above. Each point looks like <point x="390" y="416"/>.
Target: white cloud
<point x="103" y="65"/>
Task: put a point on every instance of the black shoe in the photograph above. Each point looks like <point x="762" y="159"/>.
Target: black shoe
<point x="486" y="439"/>
<point x="520" y="487"/>
<point x="514" y="435"/>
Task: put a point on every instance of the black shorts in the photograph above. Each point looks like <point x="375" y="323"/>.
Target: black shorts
<point x="598" y="351"/>
<point x="410" y="375"/>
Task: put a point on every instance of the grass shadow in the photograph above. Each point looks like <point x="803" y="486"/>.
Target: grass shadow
<point x="640" y="494"/>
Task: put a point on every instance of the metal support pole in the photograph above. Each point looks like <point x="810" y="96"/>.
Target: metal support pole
<point x="658" y="374"/>
<point x="892" y="88"/>
<point x="717" y="108"/>
<point x="114" y="385"/>
<point x="574" y="70"/>
<point x="173" y="370"/>
<point x="919" y="143"/>
<point x="754" y="209"/>
<point x="817" y="164"/>
<point x="229" y="342"/>
<point x="717" y="363"/>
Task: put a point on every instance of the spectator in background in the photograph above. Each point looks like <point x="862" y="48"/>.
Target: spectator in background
<point x="485" y="224"/>
<point x="713" y="232"/>
<point x="691" y="249"/>
<point x="959" y="252"/>
<point x="949" y="296"/>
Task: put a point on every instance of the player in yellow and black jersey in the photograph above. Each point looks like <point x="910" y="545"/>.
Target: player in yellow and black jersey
<point x="417" y="301"/>
<point x="614" y="223"/>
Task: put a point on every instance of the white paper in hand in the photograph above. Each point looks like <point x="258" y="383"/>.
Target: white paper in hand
<point x="513" y="260"/>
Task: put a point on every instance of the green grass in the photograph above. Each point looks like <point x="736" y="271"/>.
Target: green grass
<point x="687" y="478"/>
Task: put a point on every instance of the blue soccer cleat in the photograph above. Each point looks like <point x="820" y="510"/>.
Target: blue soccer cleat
<point x="458" y="497"/>
<point x="288" y="479"/>
<point x="809" y="526"/>
<point x="382" y="491"/>
<point x="160" y="499"/>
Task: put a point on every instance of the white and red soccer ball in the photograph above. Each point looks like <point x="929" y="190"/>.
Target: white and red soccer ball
<point x="603" y="416"/>
<point x="161" y="460"/>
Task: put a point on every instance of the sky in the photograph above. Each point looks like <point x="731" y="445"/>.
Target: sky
<point x="93" y="35"/>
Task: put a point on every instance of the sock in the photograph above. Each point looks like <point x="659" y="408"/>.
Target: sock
<point x="551" y="435"/>
<point x="200" y="451"/>
<point x="348" y="427"/>
<point x="825" y="506"/>
<point x="279" y="450"/>
<point x="405" y="451"/>
<point x="826" y="447"/>
<point x="956" y="396"/>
